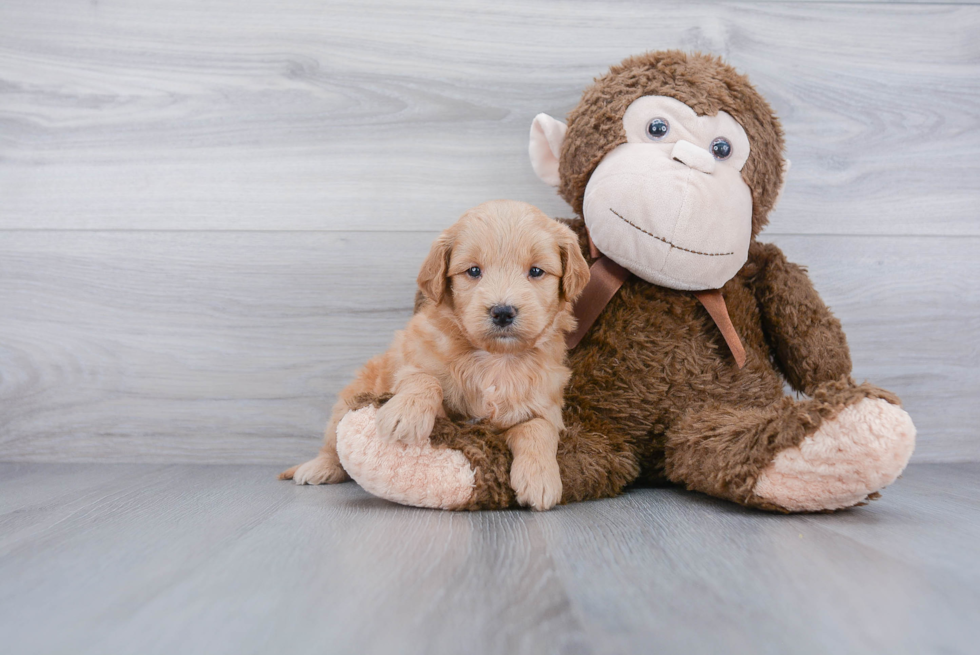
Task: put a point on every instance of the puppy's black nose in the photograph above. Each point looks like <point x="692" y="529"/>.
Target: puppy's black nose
<point x="502" y="315"/>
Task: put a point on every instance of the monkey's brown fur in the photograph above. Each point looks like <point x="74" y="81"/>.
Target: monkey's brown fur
<point x="655" y="394"/>
<point x="702" y="82"/>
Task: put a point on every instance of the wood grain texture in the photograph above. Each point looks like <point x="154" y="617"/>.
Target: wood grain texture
<point x="380" y="115"/>
<point x="230" y="347"/>
<point x="227" y="559"/>
<point x="212" y="213"/>
<point x="180" y="346"/>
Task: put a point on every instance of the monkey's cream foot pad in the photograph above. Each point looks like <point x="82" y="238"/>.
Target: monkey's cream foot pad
<point x="862" y="450"/>
<point x="421" y="476"/>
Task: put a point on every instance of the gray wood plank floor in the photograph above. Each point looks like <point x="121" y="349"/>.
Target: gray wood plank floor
<point x="147" y="559"/>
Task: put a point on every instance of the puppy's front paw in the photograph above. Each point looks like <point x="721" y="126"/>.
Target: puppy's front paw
<point x="405" y="419"/>
<point x="537" y="482"/>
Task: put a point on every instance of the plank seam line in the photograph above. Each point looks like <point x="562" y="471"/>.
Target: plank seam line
<point x="762" y="236"/>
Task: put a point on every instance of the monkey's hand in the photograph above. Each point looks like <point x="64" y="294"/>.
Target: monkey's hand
<point x="807" y="339"/>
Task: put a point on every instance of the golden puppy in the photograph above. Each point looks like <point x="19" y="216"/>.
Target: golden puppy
<point x="487" y="341"/>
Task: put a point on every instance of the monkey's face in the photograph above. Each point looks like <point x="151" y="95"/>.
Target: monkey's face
<point x="670" y="204"/>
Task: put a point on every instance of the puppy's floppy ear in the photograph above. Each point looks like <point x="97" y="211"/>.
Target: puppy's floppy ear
<point x="575" y="270"/>
<point x="433" y="277"/>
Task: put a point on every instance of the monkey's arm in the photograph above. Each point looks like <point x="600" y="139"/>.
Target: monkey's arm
<point x="806" y="339"/>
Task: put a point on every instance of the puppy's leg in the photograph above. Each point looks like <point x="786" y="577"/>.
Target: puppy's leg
<point x="409" y="416"/>
<point x="325" y="468"/>
<point x="534" y="473"/>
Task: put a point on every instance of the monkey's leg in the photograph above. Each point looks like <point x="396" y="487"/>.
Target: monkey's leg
<point x="834" y="450"/>
<point x="467" y="466"/>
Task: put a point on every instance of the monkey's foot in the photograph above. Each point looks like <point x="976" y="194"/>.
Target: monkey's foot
<point x="417" y="475"/>
<point x="862" y="450"/>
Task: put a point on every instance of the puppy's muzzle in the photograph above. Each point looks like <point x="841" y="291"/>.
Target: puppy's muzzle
<point x="503" y="315"/>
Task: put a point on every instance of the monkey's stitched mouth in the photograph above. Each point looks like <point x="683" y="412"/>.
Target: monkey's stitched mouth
<point x="672" y="245"/>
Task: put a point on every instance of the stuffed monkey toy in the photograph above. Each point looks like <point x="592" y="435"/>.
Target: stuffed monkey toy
<point x="688" y="329"/>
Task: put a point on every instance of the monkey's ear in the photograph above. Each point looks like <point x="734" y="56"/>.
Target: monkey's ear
<point x="547" y="135"/>
<point x="433" y="278"/>
<point x="575" y="270"/>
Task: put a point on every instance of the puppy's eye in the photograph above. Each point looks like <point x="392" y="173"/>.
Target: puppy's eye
<point x="474" y="271"/>
<point x="535" y="272"/>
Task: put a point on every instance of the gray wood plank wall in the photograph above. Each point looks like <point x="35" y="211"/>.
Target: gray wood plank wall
<point x="211" y="213"/>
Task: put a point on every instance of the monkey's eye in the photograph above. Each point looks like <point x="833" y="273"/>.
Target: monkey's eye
<point x="721" y="148"/>
<point x="658" y="128"/>
<point x="535" y="272"/>
<point x="474" y="271"/>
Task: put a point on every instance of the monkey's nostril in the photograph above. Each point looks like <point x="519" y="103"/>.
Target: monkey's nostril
<point x="503" y="315"/>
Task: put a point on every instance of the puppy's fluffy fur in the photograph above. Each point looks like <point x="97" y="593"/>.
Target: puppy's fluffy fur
<point x="500" y="258"/>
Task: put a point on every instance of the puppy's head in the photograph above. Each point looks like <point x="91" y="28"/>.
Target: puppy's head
<point x="505" y="271"/>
